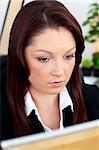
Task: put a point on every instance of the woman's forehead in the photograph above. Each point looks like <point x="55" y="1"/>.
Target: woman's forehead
<point x="53" y="40"/>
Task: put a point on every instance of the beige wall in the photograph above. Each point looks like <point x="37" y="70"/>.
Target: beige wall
<point x="14" y="7"/>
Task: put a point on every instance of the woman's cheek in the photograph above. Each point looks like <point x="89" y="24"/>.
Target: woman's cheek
<point x="36" y="72"/>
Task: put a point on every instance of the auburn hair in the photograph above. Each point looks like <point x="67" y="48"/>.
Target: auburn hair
<point x="30" y="21"/>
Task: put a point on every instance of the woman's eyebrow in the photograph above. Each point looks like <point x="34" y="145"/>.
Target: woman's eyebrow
<point x="45" y="51"/>
<point x="73" y="48"/>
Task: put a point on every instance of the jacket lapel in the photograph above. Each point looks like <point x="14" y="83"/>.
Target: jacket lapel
<point x="37" y="126"/>
<point x="67" y="116"/>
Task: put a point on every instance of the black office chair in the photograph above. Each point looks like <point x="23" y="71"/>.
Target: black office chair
<point x="3" y="60"/>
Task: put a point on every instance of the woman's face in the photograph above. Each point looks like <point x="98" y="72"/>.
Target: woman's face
<point x="50" y="58"/>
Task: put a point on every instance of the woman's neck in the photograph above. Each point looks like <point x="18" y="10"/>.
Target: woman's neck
<point x="43" y="99"/>
<point x="48" y="106"/>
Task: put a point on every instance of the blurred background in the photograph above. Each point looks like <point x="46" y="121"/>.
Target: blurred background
<point x="87" y="14"/>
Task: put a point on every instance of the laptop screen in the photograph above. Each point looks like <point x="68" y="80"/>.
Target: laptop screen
<point x="74" y="138"/>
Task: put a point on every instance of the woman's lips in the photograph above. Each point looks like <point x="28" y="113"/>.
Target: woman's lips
<point x="56" y="84"/>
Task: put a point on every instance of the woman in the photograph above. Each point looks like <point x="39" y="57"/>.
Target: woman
<point x="44" y="90"/>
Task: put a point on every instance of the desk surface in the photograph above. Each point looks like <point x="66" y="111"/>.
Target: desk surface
<point x="90" y="79"/>
<point x="87" y="139"/>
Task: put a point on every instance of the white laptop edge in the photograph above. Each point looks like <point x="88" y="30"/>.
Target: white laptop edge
<point x="48" y="135"/>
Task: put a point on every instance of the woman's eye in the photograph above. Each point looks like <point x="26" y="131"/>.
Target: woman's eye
<point x="43" y="59"/>
<point x="69" y="57"/>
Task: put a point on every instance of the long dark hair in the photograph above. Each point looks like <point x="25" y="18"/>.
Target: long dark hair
<point x="30" y="21"/>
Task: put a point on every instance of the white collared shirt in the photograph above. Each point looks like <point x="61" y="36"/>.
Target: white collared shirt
<point x="64" y="101"/>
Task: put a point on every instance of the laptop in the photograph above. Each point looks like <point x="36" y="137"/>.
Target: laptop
<point x="84" y="136"/>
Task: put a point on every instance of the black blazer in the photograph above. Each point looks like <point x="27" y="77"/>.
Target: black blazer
<point x="91" y="97"/>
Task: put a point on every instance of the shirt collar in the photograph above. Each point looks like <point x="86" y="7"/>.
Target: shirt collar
<point x="64" y="98"/>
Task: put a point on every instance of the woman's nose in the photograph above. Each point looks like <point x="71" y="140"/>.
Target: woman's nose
<point x="58" y="69"/>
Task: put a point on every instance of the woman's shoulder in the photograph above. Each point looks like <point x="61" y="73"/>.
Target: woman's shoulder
<point x="90" y="89"/>
<point x="91" y="97"/>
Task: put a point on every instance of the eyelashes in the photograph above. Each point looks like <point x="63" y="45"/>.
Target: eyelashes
<point x="46" y="59"/>
<point x="42" y="59"/>
<point x="69" y="57"/>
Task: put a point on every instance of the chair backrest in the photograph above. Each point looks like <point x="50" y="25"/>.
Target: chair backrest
<point x="3" y="59"/>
